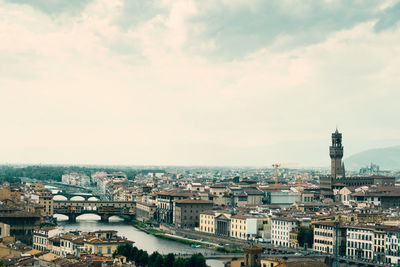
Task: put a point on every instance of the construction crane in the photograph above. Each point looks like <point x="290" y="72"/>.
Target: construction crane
<point x="298" y="188"/>
<point x="276" y="166"/>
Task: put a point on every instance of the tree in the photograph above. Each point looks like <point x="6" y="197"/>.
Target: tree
<point x="179" y="262"/>
<point x="196" y="260"/>
<point x="305" y="236"/>
<point x="124" y="250"/>
<point x="156" y="260"/>
<point x="134" y="253"/>
<point x="169" y="260"/>
<point x="142" y="258"/>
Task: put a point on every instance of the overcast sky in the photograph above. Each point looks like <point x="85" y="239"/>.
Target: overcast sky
<point x="208" y="82"/>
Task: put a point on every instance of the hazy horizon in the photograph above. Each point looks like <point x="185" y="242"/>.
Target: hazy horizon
<point x="196" y="83"/>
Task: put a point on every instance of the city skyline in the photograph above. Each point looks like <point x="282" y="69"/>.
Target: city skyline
<point x="196" y="83"/>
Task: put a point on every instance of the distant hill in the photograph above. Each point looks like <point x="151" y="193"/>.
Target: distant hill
<point x="386" y="158"/>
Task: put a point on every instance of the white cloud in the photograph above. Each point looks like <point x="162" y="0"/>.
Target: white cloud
<point x="63" y="85"/>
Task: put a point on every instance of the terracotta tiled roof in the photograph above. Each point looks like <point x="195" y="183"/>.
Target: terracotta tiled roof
<point x="193" y="201"/>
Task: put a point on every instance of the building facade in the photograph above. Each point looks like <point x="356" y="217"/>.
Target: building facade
<point x="360" y="242"/>
<point x="392" y="246"/>
<point x="324" y="237"/>
<point x="326" y="234"/>
<point x="215" y="222"/>
<point x="165" y="205"/>
<point x="41" y="237"/>
<point x="145" y="211"/>
<point x="187" y="212"/>
<point x="46" y="200"/>
<point x="280" y="230"/>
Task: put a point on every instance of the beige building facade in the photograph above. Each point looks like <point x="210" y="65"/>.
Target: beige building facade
<point x="145" y="211"/>
<point x="46" y="200"/>
<point x="187" y="212"/>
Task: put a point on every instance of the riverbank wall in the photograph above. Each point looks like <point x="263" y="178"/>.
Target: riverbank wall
<point x="169" y="234"/>
<point x="230" y="244"/>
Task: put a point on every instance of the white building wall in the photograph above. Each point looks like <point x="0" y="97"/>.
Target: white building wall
<point x="323" y="238"/>
<point x="360" y="243"/>
<point x="392" y="248"/>
<point x="251" y="226"/>
<point x="280" y="231"/>
<point x="66" y="247"/>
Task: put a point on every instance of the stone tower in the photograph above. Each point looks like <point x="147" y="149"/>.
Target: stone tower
<point x="252" y="256"/>
<point x="336" y="154"/>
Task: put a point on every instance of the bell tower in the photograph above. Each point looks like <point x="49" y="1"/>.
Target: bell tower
<point x="252" y="256"/>
<point x="336" y="154"/>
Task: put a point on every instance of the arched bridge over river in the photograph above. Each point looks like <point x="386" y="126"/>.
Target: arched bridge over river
<point x="105" y="209"/>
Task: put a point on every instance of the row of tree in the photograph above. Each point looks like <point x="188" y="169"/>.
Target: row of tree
<point x="54" y="173"/>
<point x="9" y="179"/>
<point x="142" y="258"/>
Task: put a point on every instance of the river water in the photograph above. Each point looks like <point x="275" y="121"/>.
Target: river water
<point x="150" y="243"/>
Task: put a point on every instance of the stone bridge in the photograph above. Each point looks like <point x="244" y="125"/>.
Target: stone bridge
<point x="105" y="209"/>
<point x="86" y="196"/>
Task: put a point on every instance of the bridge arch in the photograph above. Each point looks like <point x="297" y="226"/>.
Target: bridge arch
<point x="77" y="198"/>
<point x="89" y="217"/>
<point x="116" y="218"/>
<point x="60" y="197"/>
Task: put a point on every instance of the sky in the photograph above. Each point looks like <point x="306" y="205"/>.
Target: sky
<point x="185" y="82"/>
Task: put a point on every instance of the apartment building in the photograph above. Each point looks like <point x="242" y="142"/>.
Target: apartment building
<point x="46" y="201"/>
<point x="392" y="246"/>
<point x="254" y="197"/>
<point x="217" y="194"/>
<point x="293" y="238"/>
<point x="280" y="230"/>
<point x="41" y="237"/>
<point x="360" y="242"/>
<point x="67" y="245"/>
<point x="196" y="187"/>
<point x="187" y="211"/>
<point x="104" y="243"/>
<point x="324" y="237"/>
<point x="54" y="245"/>
<point x="239" y="226"/>
<point x="165" y="205"/>
<point x="379" y="244"/>
<point x="75" y="243"/>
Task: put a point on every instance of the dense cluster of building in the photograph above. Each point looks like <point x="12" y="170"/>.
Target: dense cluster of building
<point x="354" y="216"/>
<point x="53" y="240"/>
<point x="74" y="178"/>
<point x="53" y="247"/>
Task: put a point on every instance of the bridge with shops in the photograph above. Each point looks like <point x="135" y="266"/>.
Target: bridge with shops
<point x="105" y="209"/>
<point x="85" y="196"/>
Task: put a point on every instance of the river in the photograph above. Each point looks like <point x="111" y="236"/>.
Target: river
<point x="150" y="243"/>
